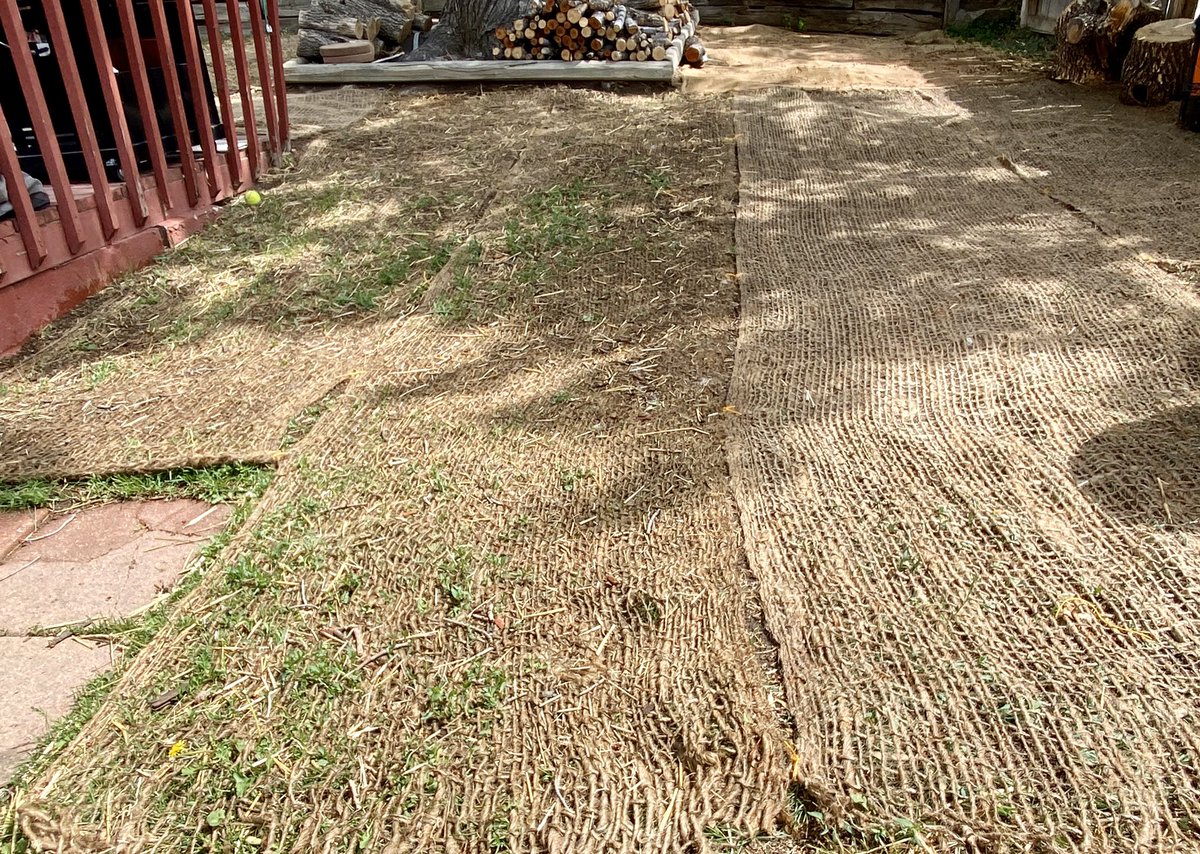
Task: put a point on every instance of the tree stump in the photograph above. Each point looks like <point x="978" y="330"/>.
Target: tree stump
<point x="1158" y="67"/>
<point x="467" y="28"/>
<point x="1094" y="36"/>
<point x="1189" y="110"/>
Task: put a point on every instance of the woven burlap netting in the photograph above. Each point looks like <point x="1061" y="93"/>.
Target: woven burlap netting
<point x="497" y="599"/>
<point x="967" y="467"/>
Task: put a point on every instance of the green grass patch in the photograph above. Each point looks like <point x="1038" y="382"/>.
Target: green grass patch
<point x="306" y="254"/>
<point x="794" y="23"/>
<point x="1006" y="34"/>
<point x="657" y="179"/>
<point x="222" y="484"/>
<point x="557" y="228"/>
<point x="481" y="688"/>
<point x="551" y="232"/>
<point x="299" y="425"/>
<point x="133" y="634"/>
<point x="455" y="305"/>
<point x="859" y="829"/>
<point x="383" y="269"/>
<point x="97" y="373"/>
<point x="570" y="479"/>
<point x="458" y="302"/>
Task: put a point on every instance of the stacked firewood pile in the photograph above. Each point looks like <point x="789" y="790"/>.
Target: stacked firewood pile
<point x="380" y="27"/>
<point x="640" y="30"/>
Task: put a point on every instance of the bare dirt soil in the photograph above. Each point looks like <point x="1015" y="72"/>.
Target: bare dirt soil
<point x="755" y="57"/>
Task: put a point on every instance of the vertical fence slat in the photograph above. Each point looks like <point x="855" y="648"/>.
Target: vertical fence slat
<point x="60" y="42"/>
<point x="285" y="129"/>
<point x="265" y="80"/>
<point x="43" y="129"/>
<point x="243" y="73"/>
<point x="183" y="134"/>
<point x="116" y="113"/>
<point x="146" y="105"/>
<point x="27" y="224"/>
<point x="232" y="153"/>
<point x="196" y="77"/>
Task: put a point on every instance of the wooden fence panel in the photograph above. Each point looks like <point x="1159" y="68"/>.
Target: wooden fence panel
<point x="43" y="128"/>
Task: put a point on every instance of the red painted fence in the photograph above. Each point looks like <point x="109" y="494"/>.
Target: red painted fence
<point x="125" y="110"/>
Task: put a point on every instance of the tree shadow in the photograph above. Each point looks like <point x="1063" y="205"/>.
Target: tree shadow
<point x="1146" y="472"/>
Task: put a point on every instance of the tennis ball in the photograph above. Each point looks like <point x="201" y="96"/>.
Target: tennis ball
<point x="253" y="198"/>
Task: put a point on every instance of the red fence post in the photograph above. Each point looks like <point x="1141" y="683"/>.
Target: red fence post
<point x="27" y="225"/>
<point x="116" y="113"/>
<point x="195" y="66"/>
<point x="243" y="72"/>
<point x="60" y="43"/>
<point x="183" y="134"/>
<point x="146" y="105"/>
<point x="257" y="30"/>
<point x="285" y="129"/>
<point x="43" y="129"/>
<point x="232" y="152"/>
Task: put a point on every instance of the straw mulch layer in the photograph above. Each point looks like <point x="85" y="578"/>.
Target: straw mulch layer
<point x="495" y="599"/>
<point x="239" y="338"/>
<point x="966" y="465"/>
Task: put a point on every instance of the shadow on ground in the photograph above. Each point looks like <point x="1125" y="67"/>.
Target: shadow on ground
<point x="1146" y="472"/>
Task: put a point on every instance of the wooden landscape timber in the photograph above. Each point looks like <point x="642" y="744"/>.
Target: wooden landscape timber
<point x="574" y="30"/>
<point x="865" y="17"/>
<point x="1158" y="67"/>
<point x="483" y="71"/>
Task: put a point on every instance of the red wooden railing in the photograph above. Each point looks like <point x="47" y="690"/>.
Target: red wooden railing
<point x="170" y="127"/>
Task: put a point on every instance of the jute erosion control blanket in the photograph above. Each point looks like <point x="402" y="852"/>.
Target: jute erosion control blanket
<point x="495" y="600"/>
<point x="966" y="465"/>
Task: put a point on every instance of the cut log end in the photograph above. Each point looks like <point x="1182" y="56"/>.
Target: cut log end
<point x="572" y="30"/>
<point x="1094" y="36"/>
<point x="385" y="24"/>
<point x="1075" y="31"/>
<point x="1157" y="69"/>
